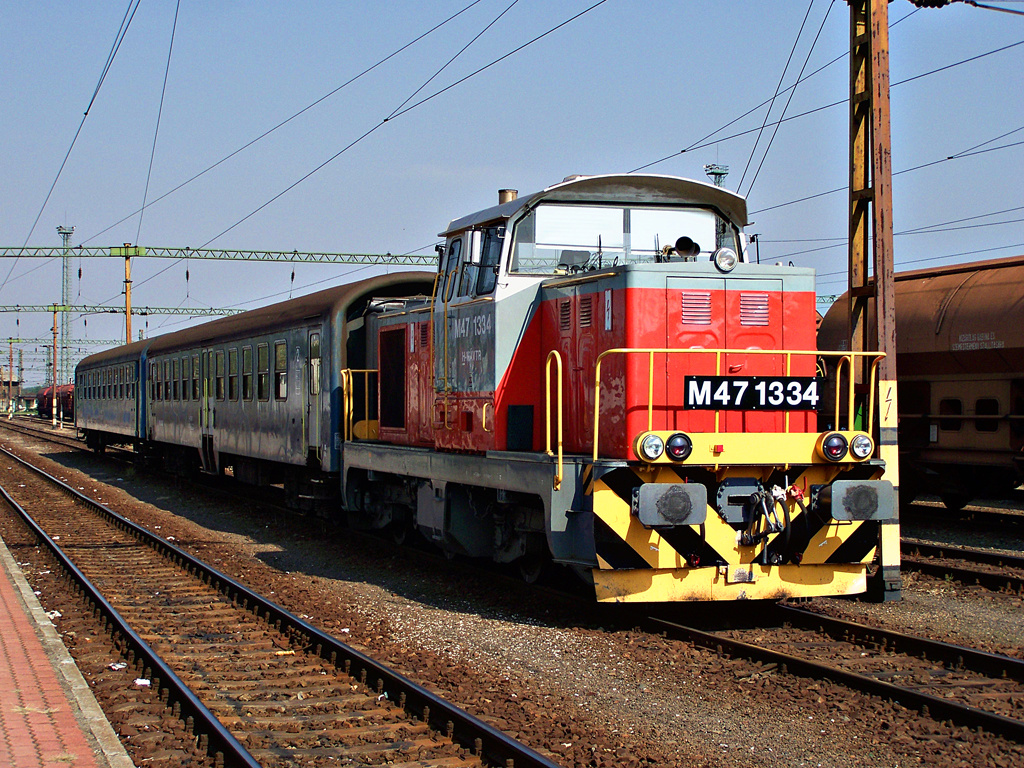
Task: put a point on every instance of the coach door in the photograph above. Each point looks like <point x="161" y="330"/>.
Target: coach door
<point x="207" y="413"/>
<point x="313" y="384"/>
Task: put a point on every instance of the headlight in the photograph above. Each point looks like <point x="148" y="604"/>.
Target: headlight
<point x="651" y="447"/>
<point x="834" y="447"/>
<point x="678" y="447"/>
<point x="861" y="446"/>
<point x="725" y="259"/>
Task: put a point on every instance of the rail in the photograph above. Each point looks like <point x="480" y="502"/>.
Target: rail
<point x="494" y="746"/>
<point x="553" y="355"/>
<point x="348" y="398"/>
<point x="843" y="358"/>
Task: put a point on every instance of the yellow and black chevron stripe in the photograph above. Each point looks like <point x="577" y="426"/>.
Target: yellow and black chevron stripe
<point x="621" y="542"/>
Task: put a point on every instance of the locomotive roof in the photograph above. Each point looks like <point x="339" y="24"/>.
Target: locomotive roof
<point x="617" y="188"/>
<point x="273" y="316"/>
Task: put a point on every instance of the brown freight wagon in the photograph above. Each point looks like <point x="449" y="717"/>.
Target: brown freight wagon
<point x="960" y="366"/>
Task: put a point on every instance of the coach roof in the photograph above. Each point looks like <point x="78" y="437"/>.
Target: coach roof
<point x="280" y="315"/>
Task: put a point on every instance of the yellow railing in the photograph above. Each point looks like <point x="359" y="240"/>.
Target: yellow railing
<point x="557" y="358"/>
<point x="846" y="358"/>
<point x="348" y="397"/>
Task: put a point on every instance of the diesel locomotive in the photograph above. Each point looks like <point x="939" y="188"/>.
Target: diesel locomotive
<point x="594" y="377"/>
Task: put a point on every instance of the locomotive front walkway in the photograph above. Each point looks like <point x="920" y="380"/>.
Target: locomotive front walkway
<point x="48" y="716"/>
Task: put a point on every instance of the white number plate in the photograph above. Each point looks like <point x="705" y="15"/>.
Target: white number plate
<point x="751" y="393"/>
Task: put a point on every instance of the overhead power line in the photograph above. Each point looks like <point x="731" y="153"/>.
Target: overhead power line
<point x="284" y="122"/>
<point x="841" y="102"/>
<point x="789" y="99"/>
<point x="778" y="87"/>
<point x="402" y="112"/>
<point x="118" y="39"/>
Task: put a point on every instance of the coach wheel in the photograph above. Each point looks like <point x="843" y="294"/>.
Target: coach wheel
<point x="400" y="530"/>
<point x="955" y="502"/>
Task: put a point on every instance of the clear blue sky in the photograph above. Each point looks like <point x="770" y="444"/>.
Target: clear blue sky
<point x="621" y="86"/>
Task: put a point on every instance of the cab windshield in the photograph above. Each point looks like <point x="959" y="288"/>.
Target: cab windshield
<point x="556" y="239"/>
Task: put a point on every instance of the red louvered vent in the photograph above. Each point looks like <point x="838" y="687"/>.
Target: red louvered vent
<point x="564" y="315"/>
<point x="586" y="311"/>
<point x="696" y="307"/>
<point x="753" y="309"/>
<point x="424" y="335"/>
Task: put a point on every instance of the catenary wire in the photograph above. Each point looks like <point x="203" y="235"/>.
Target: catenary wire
<point x="159" y="114"/>
<point x="305" y="109"/>
<point x="789" y="99"/>
<point x="376" y="127"/>
<point x="778" y="87"/>
<point x="118" y="38"/>
<point x="840" y="102"/>
<point x="404" y="111"/>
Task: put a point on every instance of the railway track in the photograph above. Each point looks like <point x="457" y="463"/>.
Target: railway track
<point x="970" y="688"/>
<point x="258" y="685"/>
<point x="25" y="425"/>
<point x="991" y="570"/>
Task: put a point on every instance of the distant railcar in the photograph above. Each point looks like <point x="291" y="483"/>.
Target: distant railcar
<point x="65" y="398"/>
<point x="960" y="366"/>
<point x="594" y="377"/>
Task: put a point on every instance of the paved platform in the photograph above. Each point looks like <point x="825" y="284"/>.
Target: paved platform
<point x="48" y="716"/>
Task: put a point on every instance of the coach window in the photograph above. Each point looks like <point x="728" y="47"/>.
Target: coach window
<point x="167" y="379"/>
<point x="154" y="376"/>
<point x="220" y="374"/>
<point x="950" y="406"/>
<point x="175" y="380"/>
<point x="314" y="363"/>
<point x="185" y="377"/>
<point x="280" y="370"/>
<point x="450" y="268"/>
<point x="263" y="372"/>
<point x="120" y="382"/>
<point x="247" y="373"/>
<point x="232" y="374"/>
<point x="195" y="377"/>
<point x="986" y="407"/>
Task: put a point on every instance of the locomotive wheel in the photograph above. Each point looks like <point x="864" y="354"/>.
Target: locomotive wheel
<point x="532" y="568"/>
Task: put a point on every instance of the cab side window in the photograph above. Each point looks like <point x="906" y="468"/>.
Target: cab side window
<point x="490" y="257"/>
<point x="450" y="269"/>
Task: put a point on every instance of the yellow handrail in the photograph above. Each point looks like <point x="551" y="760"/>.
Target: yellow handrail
<point x="553" y="355"/>
<point x="847" y="357"/>
<point x="483" y="417"/>
<point x="348" y="398"/>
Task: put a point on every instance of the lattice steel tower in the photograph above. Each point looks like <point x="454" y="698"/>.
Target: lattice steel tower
<point x="63" y="364"/>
